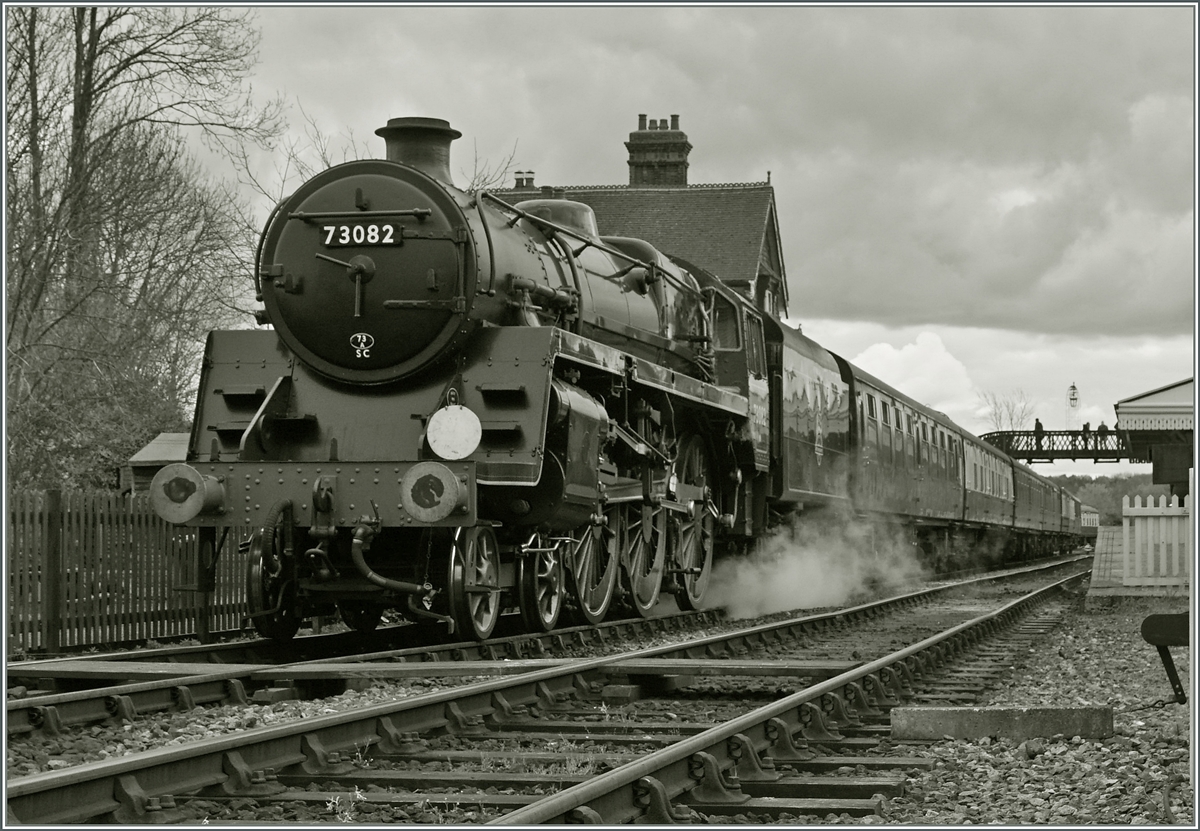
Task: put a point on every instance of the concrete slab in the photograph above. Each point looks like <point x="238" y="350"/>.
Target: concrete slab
<point x="932" y="723"/>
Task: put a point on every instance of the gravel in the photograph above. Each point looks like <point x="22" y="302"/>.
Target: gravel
<point x="1140" y="776"/>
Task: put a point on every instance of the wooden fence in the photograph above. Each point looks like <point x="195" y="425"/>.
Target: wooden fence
<point x="1157" y="541"/>
<point x="92" y="569"/>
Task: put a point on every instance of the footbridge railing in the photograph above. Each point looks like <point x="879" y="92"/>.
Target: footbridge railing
<point x="1052" y="445"/>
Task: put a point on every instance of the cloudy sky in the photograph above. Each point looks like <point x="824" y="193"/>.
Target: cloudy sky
<point x="970" y="199"/>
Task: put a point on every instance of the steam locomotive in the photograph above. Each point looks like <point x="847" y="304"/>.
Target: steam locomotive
<point x="466" y="406"/>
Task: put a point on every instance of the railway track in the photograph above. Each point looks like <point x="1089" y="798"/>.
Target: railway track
<point x="128" y="684"/>
<point x="650" y="733"/>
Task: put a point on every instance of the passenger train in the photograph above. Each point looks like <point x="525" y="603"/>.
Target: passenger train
<point x="465" y="407"/>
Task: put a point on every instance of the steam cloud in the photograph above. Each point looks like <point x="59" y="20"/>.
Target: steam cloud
<point x="815" y="561"/>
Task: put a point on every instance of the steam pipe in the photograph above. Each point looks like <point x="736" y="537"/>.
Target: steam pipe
<point x="357" y="544"/>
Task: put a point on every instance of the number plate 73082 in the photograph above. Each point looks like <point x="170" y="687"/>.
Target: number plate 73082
<point x="374" y="233"/>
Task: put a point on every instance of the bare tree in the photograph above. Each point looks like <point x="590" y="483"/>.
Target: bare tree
<point x="487" y="175"/>
<point x="121" y="253"/>
<point x="1007" y="411"/>
<point x="299" y="159"/>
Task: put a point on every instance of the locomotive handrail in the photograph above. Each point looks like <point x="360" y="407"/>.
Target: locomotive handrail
<point x="487" y="234"/>
<point x="258" y="253"/>
<point x="566" y="250"/>
<point x="420" y="213"/>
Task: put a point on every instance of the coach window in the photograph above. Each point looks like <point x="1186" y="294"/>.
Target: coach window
<point x="887" y="431"/>
<point x="914" y="451"/>
<point x="756" y="358"/>
<point x="872" y="424"/>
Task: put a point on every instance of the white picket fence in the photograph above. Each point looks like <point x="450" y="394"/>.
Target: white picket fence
<point x="1158" y="541"/>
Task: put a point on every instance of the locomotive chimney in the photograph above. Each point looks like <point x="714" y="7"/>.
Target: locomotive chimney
<point x="423" y="143"/>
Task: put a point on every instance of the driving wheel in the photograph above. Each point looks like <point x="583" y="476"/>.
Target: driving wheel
<point x="692" y="533"/>
<point x="644" y="555"/>
<point x="594" y="563"/>
<point x="474" y="585"/>
<point x="271" y="579"/>
<point x="540" y="581"/>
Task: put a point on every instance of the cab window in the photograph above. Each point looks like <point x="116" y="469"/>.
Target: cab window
<point x="725" y="324"/>
<point x="756" y="351"/>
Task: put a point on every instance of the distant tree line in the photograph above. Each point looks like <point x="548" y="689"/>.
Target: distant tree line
<point x="1104" y="493"/>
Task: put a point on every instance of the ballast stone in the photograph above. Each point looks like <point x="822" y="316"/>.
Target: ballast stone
<point x="934" y="723"/>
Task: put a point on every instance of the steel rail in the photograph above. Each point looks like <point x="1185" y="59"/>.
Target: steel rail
<point x="126" y="788"/>
<point x="624" y="794"/>
<point x="57" y="710"/>
<point x="54" y="711"/>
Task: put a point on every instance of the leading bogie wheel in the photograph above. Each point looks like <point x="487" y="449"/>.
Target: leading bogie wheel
<point x="359" y="615"/>
<point x="541" y="582"/>
<point x="593" y="565"/>
<point x="474" y="585"/>
<point x="692" y="533"/>
<point x="271" y="580"/>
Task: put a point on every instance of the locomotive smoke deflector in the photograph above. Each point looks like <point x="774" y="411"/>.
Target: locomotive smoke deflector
<point x="423" y="143"/>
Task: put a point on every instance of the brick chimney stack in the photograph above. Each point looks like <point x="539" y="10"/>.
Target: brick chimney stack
<point x="658" y="154"/>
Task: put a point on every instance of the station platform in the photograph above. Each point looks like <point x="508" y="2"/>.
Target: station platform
<point x="1108" y="568"/>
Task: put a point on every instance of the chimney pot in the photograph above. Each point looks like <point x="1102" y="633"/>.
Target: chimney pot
<point x="642" y="121"/>
<point x="657" y="160"/>
<point x="528" y="178"/>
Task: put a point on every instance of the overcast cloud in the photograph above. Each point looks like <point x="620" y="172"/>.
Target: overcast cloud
<point x="1007" y="192"/>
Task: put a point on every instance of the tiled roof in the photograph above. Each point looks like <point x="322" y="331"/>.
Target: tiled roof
<point x="718" y="227"/>
<point x="163" y="448"/>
